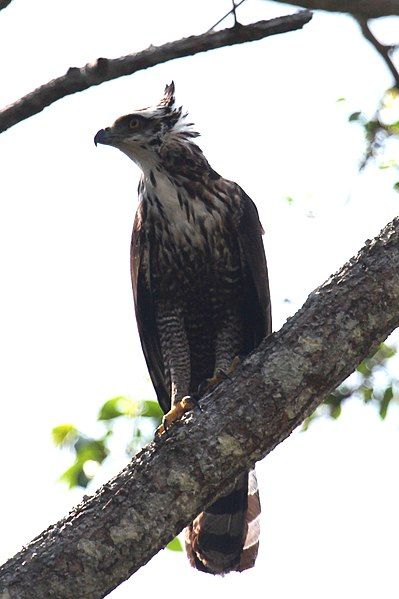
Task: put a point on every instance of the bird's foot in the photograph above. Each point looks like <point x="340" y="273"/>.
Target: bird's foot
<point x="176" y="412"/>
<point x="220" y="375"/>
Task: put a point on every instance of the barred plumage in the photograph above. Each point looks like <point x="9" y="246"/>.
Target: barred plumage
<point x="201" y="295"/>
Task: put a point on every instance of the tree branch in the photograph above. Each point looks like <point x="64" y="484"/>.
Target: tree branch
<point x="382" y="49"/>
<point x="112" y="534"/>
<point x="369" y="9"/>
<point x="362" y="11"/>
<point x="103" y="69"/>
<point x="4" y="3"/>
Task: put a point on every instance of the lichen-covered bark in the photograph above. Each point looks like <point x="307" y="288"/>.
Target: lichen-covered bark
<point x="104" y="69"/>
<point x="112" y="534"/>
<point x="369" y="9"/>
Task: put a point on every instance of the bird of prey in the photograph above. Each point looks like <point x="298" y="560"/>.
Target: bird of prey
<point x="201" y="296"/>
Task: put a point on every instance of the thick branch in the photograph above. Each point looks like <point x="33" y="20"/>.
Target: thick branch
<point x="4" y="3"/>
<point x="112" y="534"/>
<point x="103" y="69"/>
<point x="369" y="9"/>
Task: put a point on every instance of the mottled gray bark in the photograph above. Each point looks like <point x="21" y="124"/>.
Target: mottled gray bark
<point x="103" y="69"/>
<point x="112" y="534"/>
<point x="369" y="9"/>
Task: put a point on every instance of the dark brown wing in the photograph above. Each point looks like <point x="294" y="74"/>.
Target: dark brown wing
<point x="257" y="308"/>
<point x="145" y="314"/>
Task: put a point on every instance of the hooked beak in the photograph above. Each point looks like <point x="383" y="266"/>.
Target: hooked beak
<point x="102" y="136"/>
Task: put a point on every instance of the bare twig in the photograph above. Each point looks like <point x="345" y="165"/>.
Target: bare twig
<point x="231" y="11"/>
<point x="382" y="49"/>
<point x="112" y="534"/>
<point x="103" y="69"/>
<point x="234" y="10"/>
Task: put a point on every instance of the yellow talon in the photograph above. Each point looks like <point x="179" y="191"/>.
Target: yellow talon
<point x="220" y="376"/>
<point x="234" y="365"/>
<point x="175" y="413"/>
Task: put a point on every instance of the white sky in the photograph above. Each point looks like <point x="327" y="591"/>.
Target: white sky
<point x="269" y="120"/>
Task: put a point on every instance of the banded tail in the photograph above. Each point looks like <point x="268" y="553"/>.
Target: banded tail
<point x="225" y="536"/>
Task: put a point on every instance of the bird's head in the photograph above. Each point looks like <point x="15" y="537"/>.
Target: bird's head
<point x="142" y="133"/>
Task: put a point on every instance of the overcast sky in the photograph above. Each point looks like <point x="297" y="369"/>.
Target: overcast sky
<point x="269" y="119"/>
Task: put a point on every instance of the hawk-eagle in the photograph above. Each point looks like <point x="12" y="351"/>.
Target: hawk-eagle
<point x="201" y="295"/>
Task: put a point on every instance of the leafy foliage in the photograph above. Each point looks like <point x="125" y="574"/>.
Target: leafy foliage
<point x="89" y="453"/>
<point x="372" y="383"/>
<point x="381" y="133"/>
<point x="174" y="545"/>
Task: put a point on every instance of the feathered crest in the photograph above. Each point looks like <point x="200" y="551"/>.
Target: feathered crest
<point x="173" y="116"/>
<point x="168" y="98"/>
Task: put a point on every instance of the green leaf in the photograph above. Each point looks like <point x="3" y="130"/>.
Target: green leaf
<point x="341" y="99"/>
<point x="367" y="394"/>
<point x="110" y="409"/>
<point x="151" y="409"/>
<point x="91" y="449"/>
<point x="388" y="395"/>
<point x="87" y="450"/>
<point x="388" y="164"/>
<point x="396" y="186"/>
<point x="335" y="411"/>
<point x="390" y="96"/>
<point x="355" y="116"/>
<point x="308" y="421"/>
<point x="386" y="351"/>
<point x="75" y="476"/>
<point x="117" y="406"/>
<point x="64" y="434"/>
<point x="394" y="128"/>
<point x="363" y="368"/>
<point x="174" y="545"/>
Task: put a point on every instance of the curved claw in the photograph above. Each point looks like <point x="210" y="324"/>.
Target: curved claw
<point x="176" y="412"/>
<point x="219" y="376"/>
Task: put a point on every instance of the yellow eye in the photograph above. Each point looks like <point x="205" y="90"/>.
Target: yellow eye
<point x="134" y="123"/>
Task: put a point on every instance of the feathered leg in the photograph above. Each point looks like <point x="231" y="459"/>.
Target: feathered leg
<point x="176" y="358"/>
